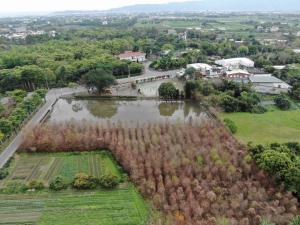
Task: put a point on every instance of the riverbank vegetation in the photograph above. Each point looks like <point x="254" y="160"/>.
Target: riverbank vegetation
<point x="195" y="174"/>
<point x="19" y="110"/>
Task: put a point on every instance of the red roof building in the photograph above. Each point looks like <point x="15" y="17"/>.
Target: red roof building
<point x="133" y="56"/>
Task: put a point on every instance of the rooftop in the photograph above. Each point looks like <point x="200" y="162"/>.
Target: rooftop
<point x="234" y="61"/>
<point x="237" y="72"/>
<point x="200" y="65"/>
<point x="131" y="54"/>
<point x="265" y="78"/>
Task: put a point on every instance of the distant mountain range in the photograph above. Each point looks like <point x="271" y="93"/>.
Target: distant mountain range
<point x="215" y="5"/>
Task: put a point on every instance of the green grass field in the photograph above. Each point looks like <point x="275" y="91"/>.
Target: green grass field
<point x="118" y="207"/>
<point x="121" y="206"/>
<point x="273" y="126"/>
<point x="44" y="167"/>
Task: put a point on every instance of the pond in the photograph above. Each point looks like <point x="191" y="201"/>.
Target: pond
<point x="141" y="111"/>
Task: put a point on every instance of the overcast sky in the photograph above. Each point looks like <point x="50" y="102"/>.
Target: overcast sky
<point x="8" y="6"/>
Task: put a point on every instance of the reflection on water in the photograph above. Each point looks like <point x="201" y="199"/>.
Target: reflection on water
<point x="168" y="109"/>
<point x="100" y="110"/>
<point x="122" y="110"/>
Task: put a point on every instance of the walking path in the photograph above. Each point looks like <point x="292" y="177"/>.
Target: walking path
<point x="51" y="98"/>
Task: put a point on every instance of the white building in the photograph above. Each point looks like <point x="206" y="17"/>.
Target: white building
<point x="266" y="83"/>
<point x="204" y="69"/>
<point x="260" y="28"/>
<point x="274" y="29"/>
<point x="298" y="34"/>
<point x="235" y="63"/>
<point x="133" y="56"/>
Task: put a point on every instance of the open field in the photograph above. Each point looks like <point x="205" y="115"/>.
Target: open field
<point x="273" y="126"/>
<point x="44" y="167"/>
<point x="119" y="207"/>
<point x="123" y="205"/>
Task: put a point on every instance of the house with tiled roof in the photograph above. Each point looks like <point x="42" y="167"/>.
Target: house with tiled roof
<point x="133" y="56"/>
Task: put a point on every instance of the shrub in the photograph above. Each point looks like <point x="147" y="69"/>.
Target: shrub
<point x="41" y="93"/>
<point x="274" y="162"/>
<point x="259" y="109"/>
<point x="248" y="101"/>
<point x="230" y="104"/>
<point x="14" y="187"/>
<point x="168" y="91"/>
<point x="281" y="161"/>
<point x="4" y="170"/>
<point x="190" y="88"/>
<point x="83" y="181"/>
<point x="18" y="95"/>
<point x="282" y="102"/>
<point x="231" y="125"/>
<point x="293" y="146"/>
<point x="72" y="85"/>
<point x="6" y="126"/>
<point x="58" y="183"/>
<point x="3" y="173"/>
<point x="35" y="184"/>
<point x="295" y="221"/>
<point x="18" y="116"/>
<point x="207" y="89"/>
<point x="109" y="181"/>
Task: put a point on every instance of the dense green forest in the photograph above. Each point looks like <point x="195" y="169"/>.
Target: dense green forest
<point x="42" y="61"/>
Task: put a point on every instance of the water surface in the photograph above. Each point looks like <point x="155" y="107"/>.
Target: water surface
<point x="123" y="110"/>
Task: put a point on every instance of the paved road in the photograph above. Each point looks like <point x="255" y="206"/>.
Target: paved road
<point x="148" y="73"/>
<point x="51" y="98"/>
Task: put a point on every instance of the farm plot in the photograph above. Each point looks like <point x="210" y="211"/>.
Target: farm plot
<point x="44" y="167"/>
<point x="117" y="207"/>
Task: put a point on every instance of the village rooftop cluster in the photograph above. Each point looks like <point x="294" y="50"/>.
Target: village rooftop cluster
<point x="240" y="70"/>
